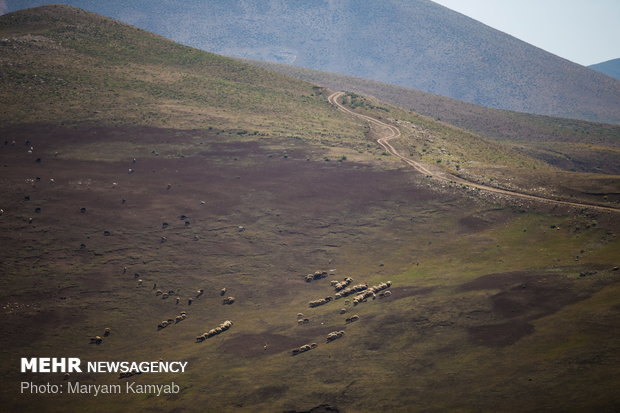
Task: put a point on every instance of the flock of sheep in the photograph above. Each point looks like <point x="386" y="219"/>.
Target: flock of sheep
<point x="214" y="331"/>
<point x="343" y="289"/>
<point x="172" y="321"/>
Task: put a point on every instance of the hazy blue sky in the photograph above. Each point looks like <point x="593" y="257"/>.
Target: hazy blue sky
<point x="582" y="31"/>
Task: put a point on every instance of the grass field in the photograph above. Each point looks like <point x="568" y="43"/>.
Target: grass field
<point x="495" y="305"/>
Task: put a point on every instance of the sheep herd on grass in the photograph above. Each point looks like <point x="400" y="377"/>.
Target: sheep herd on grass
<point x="172" y="321"/>
<point x="342" y="290"/>
<point x="351" y="290"/>
<point x="214" y="331"/>
<point x="316" y="276"/>
<point x="304" y="348"/>
<point x="334" y="335"/>
<point x="322" y="301"/>
<point x="342" y="284"/>
<point x="371" y="292"/>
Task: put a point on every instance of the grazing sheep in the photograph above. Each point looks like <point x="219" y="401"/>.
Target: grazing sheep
<point x="83" y="210"/>
<point x="215" y="331"/>
<point x="189" y="301"/>
<point x="200" y="292"/>
<point x="222" y="292"/>
<point x="352" y="319"/>
<point x="165" y="225"/>
<point x="187" y="223"/>
<point x="163" y="239"/>
<point x="178" y="300"/>
<point x="130" y="171"/>
<point x="304" y="348"/>
<point x="343" y="310"/>
<point x="322" y="301"/>
<point x="164" y="296"/>
<point x="158" y="292"/>
<point x="96" y="340"/>
<point x="228" y="300"/>
<point x="371" y="292"/>
<point x="338" y="286"/>
<point x="334" y="335"/>
<point x="350" y="290"/>
<point x="140" y="283"/>
<point x="168" y="186"/>
<point x="316" y="276"/>
<point x="300" y="315"/>
<point x="303" y="321"/>
<point x="107" y="332"/>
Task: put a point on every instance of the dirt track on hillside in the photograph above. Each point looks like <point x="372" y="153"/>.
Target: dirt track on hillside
<point x="394" y="133"/>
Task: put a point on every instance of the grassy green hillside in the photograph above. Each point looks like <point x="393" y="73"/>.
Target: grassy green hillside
<point x="569" y="144"/>
<point x="131" y="164"/>
<point x="73" y="66"/>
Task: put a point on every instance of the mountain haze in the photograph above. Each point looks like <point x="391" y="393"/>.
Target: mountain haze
<point x="418" y="44"/>
<point x="610" y="67"/>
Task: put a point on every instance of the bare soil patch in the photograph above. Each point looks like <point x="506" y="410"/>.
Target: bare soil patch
<point x="525" y="296"/>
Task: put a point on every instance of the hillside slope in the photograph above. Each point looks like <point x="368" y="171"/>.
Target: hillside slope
<point x="151" y="192"/>
<point x="570" y="144"/>
<point x="417" y="44"/>
<point x="610" y="68"/>
<point x="72" y="66"/>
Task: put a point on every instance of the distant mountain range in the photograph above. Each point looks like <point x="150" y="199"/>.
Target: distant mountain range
<point x="610" y="68"/>
<point x="418" y="44"/>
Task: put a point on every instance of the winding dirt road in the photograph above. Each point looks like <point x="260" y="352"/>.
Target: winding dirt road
<point x="393" y="133"/>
